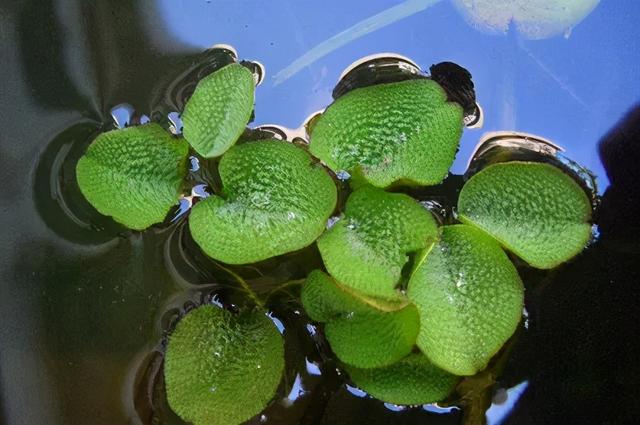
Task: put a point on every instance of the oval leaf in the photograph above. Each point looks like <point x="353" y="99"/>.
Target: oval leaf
<point x="218" y="111"/>
<point x="222" y="368"/>
<point x="367" y="249"/>
<point x="134" y="175"/>
<point x="412" y="380"/>
<point x="358" y="333"/>
<point x="275" y="200"/>
<point x="404" y="131"/>
<point x="535" y="210"/>
<point x="469" y="297"/>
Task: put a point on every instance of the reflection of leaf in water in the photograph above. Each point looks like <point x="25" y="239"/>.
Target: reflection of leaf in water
<point x="535" y="19"/>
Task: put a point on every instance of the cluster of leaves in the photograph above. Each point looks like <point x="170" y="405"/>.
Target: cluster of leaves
<point x="407" y="305"/>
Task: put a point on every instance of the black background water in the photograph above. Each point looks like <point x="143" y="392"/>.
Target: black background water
<point x="83" y="308"/>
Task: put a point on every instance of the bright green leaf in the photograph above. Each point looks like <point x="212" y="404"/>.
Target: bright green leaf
<point x="275" y="200"/>
<point x="469" y="297"/>
<point x="367" y="249"/>
<point x="533" y="209"/>
<point x="359" y="333"/>
<point x="218" y="111"/>
<point x="222" y="368"/>
<point x="396" y="132"/>
<point x="412" y="380"/>
<point x="134" y="175"/>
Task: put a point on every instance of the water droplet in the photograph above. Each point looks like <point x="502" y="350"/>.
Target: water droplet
<point x="291" y="215"/>
<point x="194" y="164"/>
<point x="263" y="419"/>
<point x="312" y="368"/>
<point x="276" y="322"/>
<point x="394" y="407"/>
<point x="434" y="408"/>
<point x="200" y="191"/>
<point x="343" y="175"/>
<point x="122" y="115"/>
<point x="175" y="126"/>
<point x="217" y="354"/>
<point x="355" y="391"/>
<point x="212" y="389"/>
<point x="332" y="220"/>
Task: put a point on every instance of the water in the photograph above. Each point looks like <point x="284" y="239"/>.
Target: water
<point x="87" y="304"/>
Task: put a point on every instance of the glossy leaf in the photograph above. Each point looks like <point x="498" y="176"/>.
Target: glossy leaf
<point x="275" y="199"/>
<point x="134" y="175"/>
<point x="469" y="297"/>
<point x="367" y="249"/>
<point x="218" y="111"/>
<point x="386" y="133"/>
<point x="533" y="209"/>
<point x="222" y="368"/>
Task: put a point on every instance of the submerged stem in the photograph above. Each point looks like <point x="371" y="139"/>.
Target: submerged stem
<point x="254" y="297"/>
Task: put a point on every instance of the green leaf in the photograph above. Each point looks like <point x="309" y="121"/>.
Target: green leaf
<point x="469" y="297"/>
<point x="218" y="111"/>
<point x="396" y="132"/>
<point x="323" y="299"/>
<point x="534" y="210"/>
<point x="535" y="19"/>
<point x="412" y="380"/>
<point x="134" y="175"/>
<point x="367" y="249"/>
<point x="275" y="200"/>
<point x="358" y="333"/>
<point x="222" y="368"/>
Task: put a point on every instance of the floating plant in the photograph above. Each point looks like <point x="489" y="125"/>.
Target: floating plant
<point x="400" y="132"/>
<point x="367" y="249"/>
<point x="221" y="367"/>
<point x="409" y="305"/>
<point x="535" y="210"/>
<point x="470" y="299"/>
<point x="218" y="111"/>
<point x="414" y="380"/>
<point x="360" y="334"/>
<point x="134" y="175"/>
<point x="275" y="199"/>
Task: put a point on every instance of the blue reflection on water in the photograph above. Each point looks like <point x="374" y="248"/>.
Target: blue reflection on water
<point x="570" y="90"/>
<point x="498" y="412"/>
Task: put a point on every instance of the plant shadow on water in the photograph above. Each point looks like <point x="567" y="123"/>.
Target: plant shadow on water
<point x="103" y="301"/>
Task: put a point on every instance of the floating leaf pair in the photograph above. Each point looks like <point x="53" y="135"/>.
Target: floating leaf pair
<point x="367" y="249"/>
<point x="222" y="368"/>
<point x="136" y="174"/>
<point x="360" y="334"/>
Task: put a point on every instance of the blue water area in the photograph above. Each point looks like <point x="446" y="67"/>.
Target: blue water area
<point x="570" y="88"/>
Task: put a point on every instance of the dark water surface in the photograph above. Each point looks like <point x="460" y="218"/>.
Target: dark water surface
<point x="86" y="302"/>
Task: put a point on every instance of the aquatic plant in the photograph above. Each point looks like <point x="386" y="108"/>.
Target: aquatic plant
<point x="410" y="303"/>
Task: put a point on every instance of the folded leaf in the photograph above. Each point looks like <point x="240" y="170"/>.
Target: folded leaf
<point x="359" y="333"/>
<point x="134" y="175"/>
<point x="367" y="249"/>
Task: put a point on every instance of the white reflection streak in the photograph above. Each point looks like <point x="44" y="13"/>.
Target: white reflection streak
<point x="497" y="413"/>
<point x="296" y="391"/>
<point x="362" y="28"/>
<point x="564" y="86"/>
